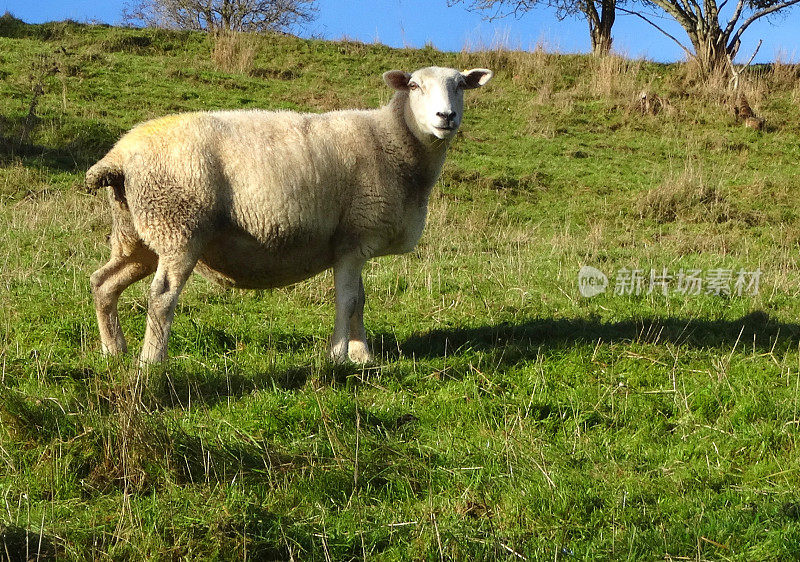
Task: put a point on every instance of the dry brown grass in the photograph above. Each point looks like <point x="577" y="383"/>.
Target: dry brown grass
<point x="686" y="197"/>
<point x="784" y="75"/>
<point x="233" y="51"/>
<point x="537" y="69"/>
<point x="614" y="76"/>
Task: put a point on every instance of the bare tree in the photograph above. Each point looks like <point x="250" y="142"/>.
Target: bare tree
<point x="221" y="15"/>
<point x="599" y="14"/>
<point x="714" y="41"/>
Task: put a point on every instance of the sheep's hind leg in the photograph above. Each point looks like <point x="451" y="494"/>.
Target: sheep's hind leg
<point x="108" y="282"/>
<point x="349" y="336"/>
<point x="171" y="276"/>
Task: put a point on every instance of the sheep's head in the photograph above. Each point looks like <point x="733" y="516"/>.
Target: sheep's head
<point x="436" y="97"/>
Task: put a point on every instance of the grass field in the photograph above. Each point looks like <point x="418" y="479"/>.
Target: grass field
<point x="507" y="417"/>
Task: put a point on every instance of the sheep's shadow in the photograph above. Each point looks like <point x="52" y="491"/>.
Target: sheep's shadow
<point x="510" y="342"/>
<point x="177" y="388"/>
<point x="525" y="340"/>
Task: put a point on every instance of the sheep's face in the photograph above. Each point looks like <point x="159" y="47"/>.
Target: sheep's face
<point x="436" y="96"/>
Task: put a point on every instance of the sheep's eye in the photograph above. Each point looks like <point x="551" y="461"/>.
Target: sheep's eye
<point x="413" y="86"/>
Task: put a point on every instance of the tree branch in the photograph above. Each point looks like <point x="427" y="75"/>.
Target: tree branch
<point x="737" y="13"/>
<point x="758" y="15"/>
<point x="681" y="45"/>
<point x="735" y="78"/>
<point x="212" y="15"/>
<point x="686" y="17"/>
<point x="590" y="10"/>
<point x="496" y="6"/>
<point x="698" y="11"/>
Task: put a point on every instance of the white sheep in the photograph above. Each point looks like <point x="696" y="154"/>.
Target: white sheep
<point x="260" y="199"/>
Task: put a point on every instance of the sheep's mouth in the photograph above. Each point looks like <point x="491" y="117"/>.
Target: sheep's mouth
<point x="451" y="128"/>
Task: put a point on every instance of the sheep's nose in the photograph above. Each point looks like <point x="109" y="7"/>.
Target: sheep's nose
<point x="446" y="115"/>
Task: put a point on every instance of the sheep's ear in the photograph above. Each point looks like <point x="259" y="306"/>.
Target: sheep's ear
<point x="397" y="79"/>
<point x="476" y="77"/>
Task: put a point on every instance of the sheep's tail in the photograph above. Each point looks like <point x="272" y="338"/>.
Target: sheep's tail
<point x="107" y="173"/>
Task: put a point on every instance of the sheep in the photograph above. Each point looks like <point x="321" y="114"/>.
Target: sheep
<point x="262" y="199"/>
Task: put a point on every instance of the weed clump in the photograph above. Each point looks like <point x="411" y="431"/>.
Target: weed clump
<point x="690" y="198"/>
<point x="10" y="26"/>
<point x="527" y="183"/>
<point x="233" y="52"/>
<point x="679" y="200"/>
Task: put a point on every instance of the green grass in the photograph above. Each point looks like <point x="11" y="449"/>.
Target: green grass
<point x="506" y="415"/>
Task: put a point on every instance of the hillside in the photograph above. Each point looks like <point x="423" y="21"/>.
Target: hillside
<point x="508" y="417"/>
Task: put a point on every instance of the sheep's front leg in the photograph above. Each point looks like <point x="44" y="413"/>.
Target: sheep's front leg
<point x="358" y="350"/>
<point x="349" y="337"/>
<point x="171" y="276"/>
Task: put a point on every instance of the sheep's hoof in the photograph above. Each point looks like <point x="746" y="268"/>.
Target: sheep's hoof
<point x="355" y="351"/>
<point x="358" y="352"/>
<point x="338" y="353"/>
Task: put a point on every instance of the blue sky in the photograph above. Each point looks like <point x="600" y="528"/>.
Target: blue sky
<point x="416" y="22"/>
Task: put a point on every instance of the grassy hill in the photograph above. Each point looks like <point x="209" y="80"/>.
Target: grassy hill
<point x="507" y="417"/>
